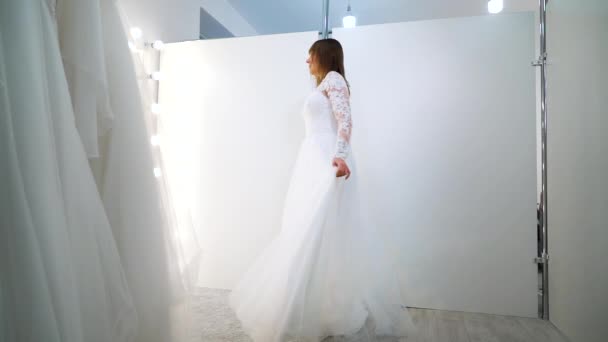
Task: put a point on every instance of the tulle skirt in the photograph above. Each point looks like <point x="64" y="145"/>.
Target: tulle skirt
<point x="326" y="273"/>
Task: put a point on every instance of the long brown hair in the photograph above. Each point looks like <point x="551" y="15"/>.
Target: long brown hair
<point x="329" y="56"/>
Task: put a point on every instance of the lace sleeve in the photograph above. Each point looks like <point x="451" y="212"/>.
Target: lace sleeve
<point x="337" y="91"/>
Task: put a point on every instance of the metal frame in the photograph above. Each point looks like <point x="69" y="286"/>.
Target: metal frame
<point x="542" y="63"/>
<point x="324" y="34"/>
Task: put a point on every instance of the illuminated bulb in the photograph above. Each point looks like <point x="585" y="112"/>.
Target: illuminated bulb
<point x="132" y="46"/>
<point x="349" y="20"/>
<point x="155" y="140"/>
<point x="156" y="76"/>
<point x="155" y="108"/>
<point x="158" y="44"/>
<point x="136" y="32"/>
<point x="157" y="172"/>
<point x="495" y="6"/>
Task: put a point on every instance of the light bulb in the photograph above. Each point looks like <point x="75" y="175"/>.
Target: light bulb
<point x="157" y="172"/>
<point x="495" y="6"/>
<point x="349" y="20"/>
<point x="155" y="108"/>
<point x="132" y="46"/>
<point x="155" y="140"/>
<point x="136" y="32"/>
<point x="158" y="44"/>
<point x="156" y="76"/>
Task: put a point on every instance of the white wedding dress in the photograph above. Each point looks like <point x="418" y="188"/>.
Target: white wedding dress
<point x="113" y="128"/>
<point x="61" y="276"/>
<point x="326" y="273"/>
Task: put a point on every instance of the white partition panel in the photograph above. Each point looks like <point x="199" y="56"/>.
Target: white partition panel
<point x="231" y="117"/>
<point x="444" y="139"/>
<point x="445" y="132"/>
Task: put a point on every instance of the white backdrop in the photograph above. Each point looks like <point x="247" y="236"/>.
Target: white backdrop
<point x="577" y="46"/>
<point x="444" y="135"/>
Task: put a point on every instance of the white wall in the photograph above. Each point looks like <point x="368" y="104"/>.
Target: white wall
<point x="447" y="109"/>
<point x="444" y="115"/>
<point x="232" y="117"/>
<point x="578" y="167"/>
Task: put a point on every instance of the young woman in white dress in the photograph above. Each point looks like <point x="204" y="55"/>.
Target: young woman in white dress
<point x="326" y="273"/>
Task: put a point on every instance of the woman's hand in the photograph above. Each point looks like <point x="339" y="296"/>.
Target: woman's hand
<point x="343" y="169"/>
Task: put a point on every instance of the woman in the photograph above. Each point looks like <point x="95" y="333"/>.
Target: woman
<point x="325" y="274"/>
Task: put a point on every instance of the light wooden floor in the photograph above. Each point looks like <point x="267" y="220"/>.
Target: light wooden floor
<point x="452" y="326"/>
<point x="214" y="321"/>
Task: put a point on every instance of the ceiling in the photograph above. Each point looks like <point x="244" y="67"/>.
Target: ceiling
<point x="281" y="16"/>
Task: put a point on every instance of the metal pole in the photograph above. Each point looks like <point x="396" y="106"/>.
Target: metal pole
<point x="325" y="24"/>
<point x="542" y="63"/>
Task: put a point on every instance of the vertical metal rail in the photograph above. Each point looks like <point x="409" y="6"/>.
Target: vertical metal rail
<point x="542" y="63"/>
<point x="324" y="34"/>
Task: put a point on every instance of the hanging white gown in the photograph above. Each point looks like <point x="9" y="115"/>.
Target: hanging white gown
<point x="61" y="279"/>
<point x="114" y="128"/>
<point x="111" y="124"/>
<point x="326" y="273"/>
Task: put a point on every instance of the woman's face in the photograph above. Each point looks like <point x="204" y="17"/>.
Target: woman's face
<point x="312" y="65"/>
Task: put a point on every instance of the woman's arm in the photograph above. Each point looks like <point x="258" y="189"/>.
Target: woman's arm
<point x="339" y="98"/>
<point x="338" y="94"/>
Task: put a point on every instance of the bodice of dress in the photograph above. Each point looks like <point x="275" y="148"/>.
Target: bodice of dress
<point x="327" y="111"/>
